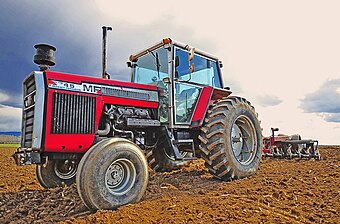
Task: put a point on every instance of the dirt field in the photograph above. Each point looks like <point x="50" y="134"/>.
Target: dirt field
<point x="284" y="191"/>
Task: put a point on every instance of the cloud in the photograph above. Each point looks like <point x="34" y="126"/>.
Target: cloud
<point x="267" y="100"/>
<point x="325" y="101"/>
<point x="10" y="118"/>
<point x="330" y="117"/>
<point x="3" y="97"/>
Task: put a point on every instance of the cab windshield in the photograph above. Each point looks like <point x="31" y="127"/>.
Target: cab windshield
<point x="151" y="68"/>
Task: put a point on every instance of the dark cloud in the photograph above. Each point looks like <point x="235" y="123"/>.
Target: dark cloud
<point x="63" y="24"/>
<point x="325" y="101"/>
<point x="75" y="29"/>
<point x="268" y="100"/>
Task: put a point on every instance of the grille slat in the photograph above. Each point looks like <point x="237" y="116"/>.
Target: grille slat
<point x="73" y="114"/>
<point x="29" y="123"/>
<point x="27" y="144"/>
<point x="76" y="118"/>
<point x="29" y="129"/>
<point x="30" y="86"/>
<point x="30" y="89"/>
<point x="72" y="120"/>
<point x="81" y="117"/>
<point x="29" y="113"/>
<point x="28" y="136"/>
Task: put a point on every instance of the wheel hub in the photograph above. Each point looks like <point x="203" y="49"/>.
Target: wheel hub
<point x="120" y="176"/>
<point x="117" y="174"/>
<point x="65" y="169"/>
<point x="243" y="140"/>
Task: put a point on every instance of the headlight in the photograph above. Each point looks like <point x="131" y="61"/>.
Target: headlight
<point x="29" y="100"/>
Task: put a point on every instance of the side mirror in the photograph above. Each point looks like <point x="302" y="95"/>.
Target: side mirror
<point x="191" y="54"/>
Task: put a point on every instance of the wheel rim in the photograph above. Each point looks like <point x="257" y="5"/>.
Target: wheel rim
<point x="65" y="169"/>
<point x="120" y="176"/>
<point x="243" y="138"/>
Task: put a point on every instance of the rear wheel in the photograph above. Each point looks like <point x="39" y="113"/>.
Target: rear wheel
<point x="231" y="139"/>
<point x="112" y="173"/>
<point x="57" y="172"/>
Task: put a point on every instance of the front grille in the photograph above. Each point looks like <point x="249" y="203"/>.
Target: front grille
<point x="29" y="91"/>
<point x="73" y="114"/>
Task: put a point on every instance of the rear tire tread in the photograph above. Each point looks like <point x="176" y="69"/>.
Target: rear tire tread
<point x="212" y="137"/>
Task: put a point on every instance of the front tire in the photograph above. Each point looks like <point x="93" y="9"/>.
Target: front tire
<point x="231" y="139"/>
<point x="112" y="173"/>
<point x="57" y="172"/>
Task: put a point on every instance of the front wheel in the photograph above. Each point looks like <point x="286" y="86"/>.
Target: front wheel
<point x="112" y="173"/>
<point x="57" y="172"/>
<point x="231" y="139"/>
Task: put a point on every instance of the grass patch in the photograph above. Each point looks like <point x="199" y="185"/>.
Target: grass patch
<point x="9" y="145"/>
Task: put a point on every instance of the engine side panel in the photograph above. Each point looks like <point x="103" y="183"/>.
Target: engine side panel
<point x="75" y="104"/>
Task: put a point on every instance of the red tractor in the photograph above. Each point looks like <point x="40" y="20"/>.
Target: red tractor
<point x="103" y="134"/>
<point x="285" y="146"/>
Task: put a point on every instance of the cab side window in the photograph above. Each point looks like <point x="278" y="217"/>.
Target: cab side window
<point x="205" y="73"/>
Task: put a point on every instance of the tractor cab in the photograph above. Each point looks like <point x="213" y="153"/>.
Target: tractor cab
<point x="183" y="74"/>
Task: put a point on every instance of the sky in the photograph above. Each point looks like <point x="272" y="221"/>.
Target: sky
<point x="283" y="56"/>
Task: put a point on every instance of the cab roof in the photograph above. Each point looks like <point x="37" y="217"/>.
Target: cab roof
<point x="170" y="42"/>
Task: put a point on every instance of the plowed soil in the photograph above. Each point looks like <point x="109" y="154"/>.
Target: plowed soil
<point x="283" y="191"/>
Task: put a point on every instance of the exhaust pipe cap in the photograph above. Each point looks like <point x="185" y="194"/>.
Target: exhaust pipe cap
<point x="44" y="56"/>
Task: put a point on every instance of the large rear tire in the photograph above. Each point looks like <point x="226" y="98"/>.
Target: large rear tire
<point x="231" y="139"/>
<point x="112" y="173"/>
<point x="57" y="172"/>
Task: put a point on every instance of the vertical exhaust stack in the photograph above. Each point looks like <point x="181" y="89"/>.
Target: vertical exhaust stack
<point x="44" y="56"/>
<point x="105" y="75"/>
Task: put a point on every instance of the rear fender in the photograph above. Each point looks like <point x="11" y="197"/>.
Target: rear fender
<point x="208" y="96"/>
